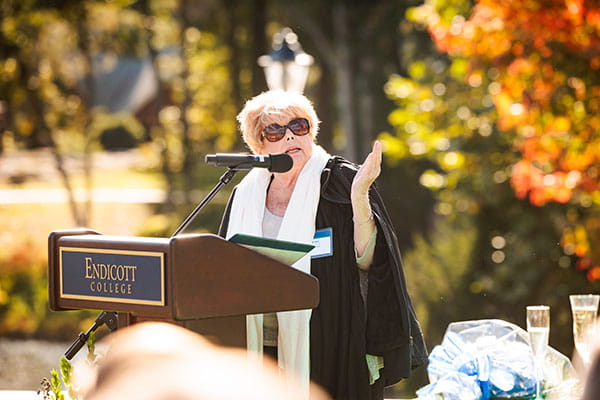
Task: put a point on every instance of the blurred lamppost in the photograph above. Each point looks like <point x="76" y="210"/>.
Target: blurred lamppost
<point x="286" y="67"/>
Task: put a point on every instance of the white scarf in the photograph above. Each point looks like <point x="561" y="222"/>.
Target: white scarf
<point x="298" y="225"/>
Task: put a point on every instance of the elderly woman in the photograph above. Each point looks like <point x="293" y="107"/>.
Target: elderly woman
<point x="364" y="334"/>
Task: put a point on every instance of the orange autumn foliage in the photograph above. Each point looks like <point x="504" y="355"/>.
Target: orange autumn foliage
<point x="546" y="54"/>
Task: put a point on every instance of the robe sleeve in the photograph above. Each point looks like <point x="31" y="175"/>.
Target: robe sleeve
<point x="385" y="325"/>
<point x="392" y="327"/>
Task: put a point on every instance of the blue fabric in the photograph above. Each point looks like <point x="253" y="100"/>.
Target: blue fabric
<point x="463" y="371"/>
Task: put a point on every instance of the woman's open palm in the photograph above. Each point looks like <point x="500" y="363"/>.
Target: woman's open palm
<point x="369" y="171"/>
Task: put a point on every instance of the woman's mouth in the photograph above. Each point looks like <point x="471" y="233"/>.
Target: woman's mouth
<point x="293" y="150"/>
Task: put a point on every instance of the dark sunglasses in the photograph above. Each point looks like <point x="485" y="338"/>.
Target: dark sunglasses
<point x="276" y="132"/>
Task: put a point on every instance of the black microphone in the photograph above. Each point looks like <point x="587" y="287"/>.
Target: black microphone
<point x="274" y="162"/>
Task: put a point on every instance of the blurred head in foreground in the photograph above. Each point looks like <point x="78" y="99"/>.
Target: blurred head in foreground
<point x="161" y="361"/>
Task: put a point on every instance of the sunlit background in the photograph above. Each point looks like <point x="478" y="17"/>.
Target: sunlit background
<point x="488" y="112"/>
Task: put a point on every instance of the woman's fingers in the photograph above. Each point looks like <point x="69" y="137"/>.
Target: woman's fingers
<point x="372" y="164"/>
<point x="369" y="170"/>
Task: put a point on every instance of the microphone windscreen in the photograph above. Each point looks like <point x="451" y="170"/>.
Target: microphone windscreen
<point x="281" y="162"/>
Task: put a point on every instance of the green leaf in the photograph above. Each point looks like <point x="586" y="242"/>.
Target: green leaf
<point x="417" y="70"/>
<point x="91" y="346"/>
<point x="458" y="68"/>
<point x="66" y="369"/>
<point x="55" y="383"/>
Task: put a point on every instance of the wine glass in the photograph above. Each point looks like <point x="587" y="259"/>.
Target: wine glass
<point x="584" y="308"/>
<point x="538" y="326"/>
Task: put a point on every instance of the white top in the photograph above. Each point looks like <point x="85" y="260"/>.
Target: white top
<point x="271" y="224"/>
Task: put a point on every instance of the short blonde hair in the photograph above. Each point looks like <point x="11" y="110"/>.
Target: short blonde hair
<point x="274" y="106"/>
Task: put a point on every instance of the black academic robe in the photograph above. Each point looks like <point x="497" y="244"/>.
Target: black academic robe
<point x="346" y="324"/>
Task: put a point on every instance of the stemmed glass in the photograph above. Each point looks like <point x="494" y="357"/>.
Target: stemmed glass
<point x="584" y="308"/>
<point x="538" y="326"/>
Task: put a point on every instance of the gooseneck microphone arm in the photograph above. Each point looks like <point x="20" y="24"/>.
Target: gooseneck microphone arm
<point x="224" y="180"/>
<point x="105" y="317"/>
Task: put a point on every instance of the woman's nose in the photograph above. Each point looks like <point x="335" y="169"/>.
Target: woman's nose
<point x="289" y="135"/>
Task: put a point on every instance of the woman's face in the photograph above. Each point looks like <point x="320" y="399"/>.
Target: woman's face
<point x="297" y="147"/>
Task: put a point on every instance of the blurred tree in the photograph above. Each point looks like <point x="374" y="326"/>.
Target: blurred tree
<point x="546" y="92"/>
<point x="34" y="89"/>
<point x="77" y="15"/>
<point x="56" y="53"/>
<point x="50" y="55"/>
<point x="453" y="112"/>
<point x="241" y="27"/>
<point x="356" y="47"/>
<point x="195" y="109"/>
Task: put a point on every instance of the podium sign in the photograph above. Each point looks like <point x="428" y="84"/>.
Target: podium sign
<point x="134" y="277"/>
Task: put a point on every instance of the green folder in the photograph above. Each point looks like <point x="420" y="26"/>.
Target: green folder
<point x="285" y="252"/>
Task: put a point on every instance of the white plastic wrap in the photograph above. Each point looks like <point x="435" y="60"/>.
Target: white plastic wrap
<point x="491" y="359"/>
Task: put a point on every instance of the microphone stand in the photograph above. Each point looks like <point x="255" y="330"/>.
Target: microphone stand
<point x="105" y="317"/>
<point x="224" y="180"/>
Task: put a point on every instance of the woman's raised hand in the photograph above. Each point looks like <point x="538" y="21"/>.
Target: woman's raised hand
<point x="368" y="172"/>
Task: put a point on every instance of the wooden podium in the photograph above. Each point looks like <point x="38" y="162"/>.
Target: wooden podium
<point x="199" y="281"/>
